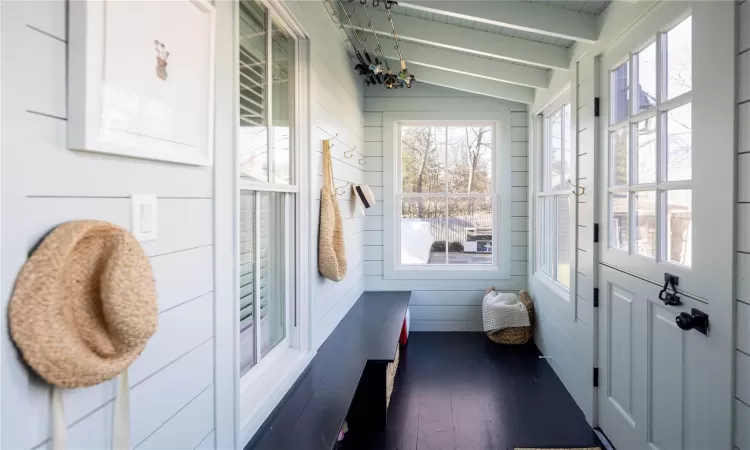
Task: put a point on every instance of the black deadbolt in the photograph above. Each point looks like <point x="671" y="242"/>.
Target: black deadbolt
<point x="696" y="319"/>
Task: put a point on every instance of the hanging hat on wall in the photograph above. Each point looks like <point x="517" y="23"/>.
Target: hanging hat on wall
<point x="365" y="197"/>
<point x="83" y="307"/>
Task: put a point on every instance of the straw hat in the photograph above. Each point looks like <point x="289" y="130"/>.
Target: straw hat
<point x="84" y="304"/>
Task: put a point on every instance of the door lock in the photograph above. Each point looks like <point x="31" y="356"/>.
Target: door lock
<point x="670" y="298"/>
<point x="696" y="319"/>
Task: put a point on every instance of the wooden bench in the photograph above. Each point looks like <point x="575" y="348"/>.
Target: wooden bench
<point x="345" y="381"/>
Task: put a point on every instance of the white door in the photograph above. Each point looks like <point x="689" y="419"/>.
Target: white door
<point x="666" y="207"/>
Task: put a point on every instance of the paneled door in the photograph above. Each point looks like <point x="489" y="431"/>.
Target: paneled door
<point x="666" y="207"/>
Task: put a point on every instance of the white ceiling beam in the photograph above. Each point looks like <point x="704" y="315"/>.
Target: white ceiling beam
<point x="481" y="86"/>
<point x="465" y="64"/>
<point x="465" y="40"/>
<point x="518" y="15"/>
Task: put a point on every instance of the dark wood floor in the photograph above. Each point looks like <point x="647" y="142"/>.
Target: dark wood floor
<point x="461" y="391"/>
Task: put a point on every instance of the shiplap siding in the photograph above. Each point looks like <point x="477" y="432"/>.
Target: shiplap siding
<point x="565" y="325"/>
<point x="336" y="108"/>
<point x="45" y="184"/>
<point x="445" y="304"/>
<point x="565" y="330"/>
<point x="742" y="366"/>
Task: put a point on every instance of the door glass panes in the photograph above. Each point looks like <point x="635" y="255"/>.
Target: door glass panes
<point x="469" y="159"/>
<point x="620" y="79"/>
<point x="272" y="280"/>
<point x="679" y="143"/>
<point x="679" y="214"/>
<point x="619" y="159"/>
<point x="645" y="97"/>
<point x="563" y="240"/>
<point x="679" y="59"/>
<point x="282" y="93"/>
<point x="619" y="221"/>
<point x="654" y="220"/>
<point x="645" y="151"/>
<point x="645" y="223"/>
<point x="423" y="159"/>
<point x="253" y="131"/>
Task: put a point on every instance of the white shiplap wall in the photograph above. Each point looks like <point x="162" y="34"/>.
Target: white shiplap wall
<point x="449" y="304"/>
<point x="45" y="184"/>
<point x="336" y="105"/>
<point x="742" y="374"/>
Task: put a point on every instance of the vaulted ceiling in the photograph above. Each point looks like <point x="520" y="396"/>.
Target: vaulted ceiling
<point x="499" y="48"/>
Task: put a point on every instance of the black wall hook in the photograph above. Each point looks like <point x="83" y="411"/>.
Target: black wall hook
<point x="670" y="298"/>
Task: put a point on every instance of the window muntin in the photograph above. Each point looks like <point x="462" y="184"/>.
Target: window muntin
<point x="650" y="149"/>
<point x="554" y="202"/>
<point x="267" y="184"/>
<point x="447" y="194"/>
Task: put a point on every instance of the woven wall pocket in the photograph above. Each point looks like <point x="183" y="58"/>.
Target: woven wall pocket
<point x="83" y="307"/>
<point x="331" y="251"/>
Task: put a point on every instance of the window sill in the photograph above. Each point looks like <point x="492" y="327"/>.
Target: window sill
<point x="556" y="288"/>
<point x="259" y="398"/>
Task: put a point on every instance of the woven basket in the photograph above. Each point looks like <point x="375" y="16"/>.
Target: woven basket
<point x="517" y="335"/>
<point x="390" y="374"/>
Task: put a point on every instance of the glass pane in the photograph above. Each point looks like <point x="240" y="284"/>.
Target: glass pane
<point x="645" y="155"/>
<point x="247" y="281"/>
<point x="469" y="230"/>
<point x="542" y="242"/>
<point x="567" y="158"/>
<point x="554" y="151"/>
<point x="271" y="289"/>
<point x="619" y="221"/>
<point x="620" y="79"/>
<point x="646" y="87"/>
<point x="680" y="143"/>
<point x="546" y="235"/>
<point x="470" y="159"/>
<point x="253" y="133"/>
<point x="423" y="159"/>
<point x="679" y="226"/>
<point x="423" y="230"/>
<point x="563" y="239"/>
<point x="680" y="59"/>
<point x="282" y="46"/>
<point x="619" y="161"/>
<point x="645" y="223"/>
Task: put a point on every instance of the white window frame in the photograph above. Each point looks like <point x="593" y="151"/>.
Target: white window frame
<point x="541" y="190"/>
<point x="501" y="195"/>
<point x="264" y="385"/>
<point x="658" y="112"/>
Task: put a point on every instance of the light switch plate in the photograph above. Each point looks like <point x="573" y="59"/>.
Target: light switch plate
<point x="143" y="217"/>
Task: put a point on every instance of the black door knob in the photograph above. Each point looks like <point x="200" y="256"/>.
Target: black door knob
<point x="695" y="319"/>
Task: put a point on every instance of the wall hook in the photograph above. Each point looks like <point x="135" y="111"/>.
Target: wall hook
<point x="341" y="190"/>
<point x="362" y="161"/>
<point x="350" y="153"/>
<point x="576" y="193"/>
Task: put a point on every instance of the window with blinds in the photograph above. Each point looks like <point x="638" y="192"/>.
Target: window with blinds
<point x="268" y="189"/>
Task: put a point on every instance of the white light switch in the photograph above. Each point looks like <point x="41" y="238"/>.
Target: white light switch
<point x="143" y="220"/>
